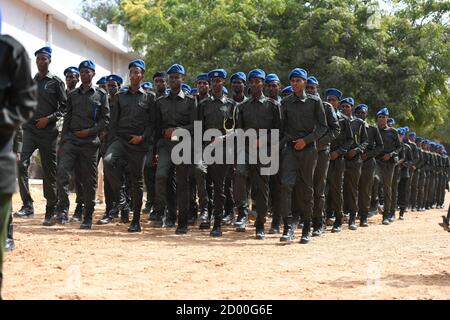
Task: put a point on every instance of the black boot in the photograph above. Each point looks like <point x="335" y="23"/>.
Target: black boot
<point x="228" y="217"/>
<point x="78" y="213"/>
<point x="1" y="282"/>
<point x="10" y="246"/>
<point x="337" y="223"/>
<point x="27" y="211"/>
<point x="205" y="223"/>
<point x="317" y="227"/>
<point x="87" y="220"/>
<point x="148" y="207"/>
<point x="182" y="227"/>
<point x="136" y="223"/>
<point x="402" y="214"/>
<point x="275" y="226"/>
<point x="242" y="220"/>
<point x="306" y="231"/>
<point x="386" y="219"/>
<point x="217" y="231"/>
<point x="352" y="221"/>
<point x="363" y="220"/>
<point x="107" y="218"/>
<point x="288" y="233"/>
<point x="125" y="215"/>
<point x="48" y="219"/>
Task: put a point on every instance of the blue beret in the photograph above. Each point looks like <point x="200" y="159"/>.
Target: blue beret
<point x="298" y="73"/>
<point x="272" y="77"/>
<point x="401" y="130"/>
<point x="44" y="50"/>
<point x="137" y="64"/>
<point x="159" y="74"/>
<point x="147" y="85"/>
<point x="225" y="90"/>
<point x="348" y="100"/>
<point x="221" y="73"/>
<point x="333" y="92"/>
<point x="194" y="91"/>
<point x="238" y="75"/>
<point x="406" y="129"/>
<point x="412" y="134"/>
<point x="115" y="78"/>
<point x="88" y="64"/>
<point x="102" y="80"/>
<point x="176" y="68"/>
<point x="71" y="70"/>
<point x="186" y="88"/>
<point x="202" y="77"/>
<point x="287" y="90"/>
<point x="362" y="106"/>
<point x="257" y="73"/>
<point x="419" y="139"/>
<point x="391" y="120"/>
<point x="312" y="80"/>
<point x="383" y="112"/>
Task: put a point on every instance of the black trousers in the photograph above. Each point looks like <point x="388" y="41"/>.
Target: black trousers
<point x="403" y="194"/>
<point x="149" y="176"/>
<point x="119" y="156"/>
<point x="85" y="158"/>
<point x="386" y="169"/>
<point x="394" y="190"/>
<point x="297" y="170"/>
<point x="46" y="143"/>
<point x="261" y="182"/>
<point x="414" y="188"/>
<point x="320" y="180"/>
<point x="421" y="189"/>
<point x="365" y="185"/>
<point x="351" y="184"/>
<point x="335" y="181"/>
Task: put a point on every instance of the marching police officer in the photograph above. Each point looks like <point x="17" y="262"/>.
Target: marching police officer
<point x="368" y="171"/>
<point x="87" y="116"/>
<point x="17" y="103"/>
<point x="130" y="137"/>
<point x="386" y="159"/>
<point x="304" y="122"/>
<point x="41" y="133"/>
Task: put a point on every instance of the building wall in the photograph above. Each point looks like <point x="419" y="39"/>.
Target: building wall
<point x="70" y="47"/>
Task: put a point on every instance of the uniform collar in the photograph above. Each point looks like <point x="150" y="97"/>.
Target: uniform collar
<point x="140" y="90"/>
<point x="222" y="99"/>
<point x="261" y="99"/>
<point x="80" y="88"/>
<point x="302" y="98"/>
<point x="48" y="75"/>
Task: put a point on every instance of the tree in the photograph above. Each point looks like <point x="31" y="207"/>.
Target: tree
<point x="102" y="12"/>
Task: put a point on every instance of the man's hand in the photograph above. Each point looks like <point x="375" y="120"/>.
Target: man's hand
<point x="136" y="140"/>
<point x="155" y="160"/>
<point x="364" y="157"/>
<point x="82" y="134"/>
<point x="386" y="157"/>
<point x="334" y="155"/>
<point x="300" y="144"/>
<point x="351" y="154"/>
<point x="168" y="133"/>
<point x="41" y="123"/>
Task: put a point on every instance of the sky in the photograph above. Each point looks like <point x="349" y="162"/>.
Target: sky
<point x="72" y="5"/>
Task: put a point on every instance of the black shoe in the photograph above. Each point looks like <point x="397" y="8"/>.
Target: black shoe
<point x="152" y="216"/>
<point x="241" y="221"/>
<point x="10" y="246"/>
<point x="392" y="218"/>
<point x="274" y="230"/>
<point x="105" y="220"/>
<point x="27" y="211"/>
<point x="260" y="235"/>
<point x="317" y="227"/>
<point x="205" y="223"/>
<point x="48" y="221"/>
<point x="352" y="222"/>
<point x="159" y="221"/>
<point x="363" y="221"/>
<point x="216" y="232"/>
<point x="181" y="230"/>
<point x="135" y="226"/>
<point x="78" y="213"/>
<point x="87" y="222"/>
<point x="288" y="234"/>
<point x="336" y="227"/>
<point x="169" y="223"/>
<point x="227" y="220"/>
<point x="386" y="220"/>
<point x="306" y="232"/>
<point x="148" y="208"/>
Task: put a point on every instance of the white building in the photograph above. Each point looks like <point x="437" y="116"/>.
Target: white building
<point x="38" y="23"/>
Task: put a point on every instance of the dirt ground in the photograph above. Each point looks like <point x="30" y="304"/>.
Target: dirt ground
<point x="409" y="259"/>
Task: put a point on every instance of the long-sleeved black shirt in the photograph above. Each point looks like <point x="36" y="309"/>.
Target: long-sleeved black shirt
<point x="303" y="118"/>
<point x="360" y="138"/>
<point x="345" y="138"/>
<point x="134" y="114"/>
<point x="334" y="129"/>
<point x="391" y="142"/>
<point x="88" y="110"/>
<point x="375" y="143"/>
<point x="17" y="104"/>
<point x="213" y="112"/>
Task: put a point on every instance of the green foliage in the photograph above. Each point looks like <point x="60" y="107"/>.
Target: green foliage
<point x="399" y="58"/>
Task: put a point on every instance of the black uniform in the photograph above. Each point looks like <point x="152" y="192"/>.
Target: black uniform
<point x="323" y="162"/>
<point x="335" y="178"/>
<point x="405" y="179"/>
<point x="415" y="174"/>
<point x="254" y="113"/>
<point x="17" y="103"/>
<point x="303" y="118"/>
<point x="85" y="110"/>
<point x="179" y="111"/>
<point x="374" y="147"/>
<point x="52" y="100"/>
<point x="391" y="146"/>
<point x="133" y="115"/>
<point x="353" y="168"/>
<point x="212" y="112"/>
